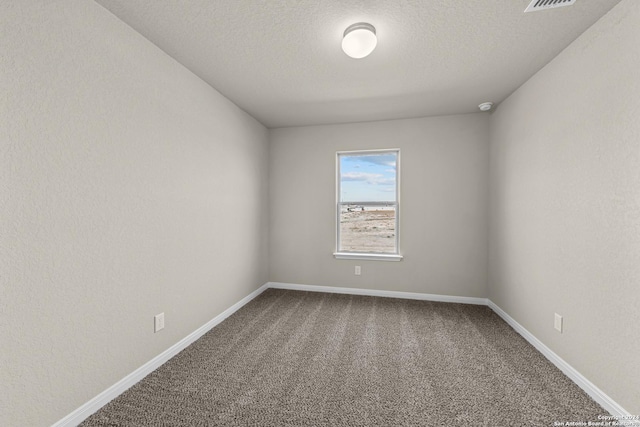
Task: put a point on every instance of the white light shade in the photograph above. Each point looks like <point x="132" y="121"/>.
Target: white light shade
<point x="359" y="40"/>
<point x="485" y="106"/>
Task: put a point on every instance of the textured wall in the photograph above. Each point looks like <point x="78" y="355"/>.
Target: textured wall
<point x="444" y="207"/>
<point x="565" y="204"/>
<point x="128" y="187"/>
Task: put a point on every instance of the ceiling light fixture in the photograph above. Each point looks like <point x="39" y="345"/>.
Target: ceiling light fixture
<point x="485" y="106"/>
<point x="359" y="40"/>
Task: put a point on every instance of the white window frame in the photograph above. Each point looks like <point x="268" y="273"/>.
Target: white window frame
<point x="368" y="256"/>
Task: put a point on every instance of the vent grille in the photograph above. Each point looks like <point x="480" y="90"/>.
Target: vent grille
<point x="536" y="5"/>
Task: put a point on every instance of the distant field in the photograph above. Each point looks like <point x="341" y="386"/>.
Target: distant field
<point x="368" y="231"/>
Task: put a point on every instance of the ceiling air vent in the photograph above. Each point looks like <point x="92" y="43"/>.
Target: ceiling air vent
<point x="536" y="5"/>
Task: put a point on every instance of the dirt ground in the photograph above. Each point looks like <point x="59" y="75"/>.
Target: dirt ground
<point x="368" y="231"/>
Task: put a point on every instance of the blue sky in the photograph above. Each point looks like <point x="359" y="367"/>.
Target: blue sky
<point x="368" y="178"/>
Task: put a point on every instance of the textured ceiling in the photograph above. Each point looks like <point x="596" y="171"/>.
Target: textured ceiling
<point x="281" y="60"/>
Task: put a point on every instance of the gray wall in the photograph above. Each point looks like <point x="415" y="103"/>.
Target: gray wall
<point x="128" y="187"/>
<point x="118" y="168"/>
<point x="444" y="205"/>
<point x="565" y="204"/>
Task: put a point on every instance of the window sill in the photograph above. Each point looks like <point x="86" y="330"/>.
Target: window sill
<point x="367" y="257"/>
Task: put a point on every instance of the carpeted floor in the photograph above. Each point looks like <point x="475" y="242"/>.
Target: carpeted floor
<point x="293" y="358"/>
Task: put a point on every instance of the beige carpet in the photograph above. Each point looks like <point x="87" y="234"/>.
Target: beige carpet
<point x="293" y="358"/>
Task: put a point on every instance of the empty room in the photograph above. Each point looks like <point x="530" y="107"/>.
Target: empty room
<point x="319" y="213"/>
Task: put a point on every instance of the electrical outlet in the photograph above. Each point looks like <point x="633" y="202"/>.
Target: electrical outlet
<point x="158" y="322"/>
<point x="358" y="270"/>
<point x="557" y="322"/>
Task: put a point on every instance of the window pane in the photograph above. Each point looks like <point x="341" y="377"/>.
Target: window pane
<point x="368" y="229"/>
<point x="368" y="177"/>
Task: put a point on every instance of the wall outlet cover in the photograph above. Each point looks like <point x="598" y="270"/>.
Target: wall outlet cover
<point x="557" y="322"/>
<point x="158" y="322"/>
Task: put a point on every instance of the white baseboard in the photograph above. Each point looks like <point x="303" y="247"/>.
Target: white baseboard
<point x="591" y="389"/>
<point x="89" y="408"/>
<point x="92" y="406"/>
<point x="377" y="293"/>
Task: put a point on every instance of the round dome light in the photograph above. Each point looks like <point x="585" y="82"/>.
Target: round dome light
<point x="359" y="40"/>
<point x="485" y="106"/>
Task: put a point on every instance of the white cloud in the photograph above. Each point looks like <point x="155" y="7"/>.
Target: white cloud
<point x="360" y="176"/>
<point x="375" y="159"/>
<point x="369" y="178"/>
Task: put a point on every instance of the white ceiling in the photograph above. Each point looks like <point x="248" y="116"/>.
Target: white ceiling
<point x="281" y="60"/>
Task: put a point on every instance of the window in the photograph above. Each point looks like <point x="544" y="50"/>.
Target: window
<point x="368" y="188"/>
